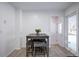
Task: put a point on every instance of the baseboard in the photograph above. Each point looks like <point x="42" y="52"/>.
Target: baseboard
<point x="10" y="52"/>
<point x="71" y="51"/>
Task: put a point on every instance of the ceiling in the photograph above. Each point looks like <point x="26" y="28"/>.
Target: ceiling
<point x="42" y="6"/>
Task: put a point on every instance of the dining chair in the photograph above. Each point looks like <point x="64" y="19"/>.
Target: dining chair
<point x="39" y="47"/>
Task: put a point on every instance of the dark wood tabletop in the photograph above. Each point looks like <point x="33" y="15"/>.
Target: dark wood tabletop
<point x="34" y="35"/>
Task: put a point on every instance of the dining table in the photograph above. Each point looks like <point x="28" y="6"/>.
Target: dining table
<point x="37" y="36"/>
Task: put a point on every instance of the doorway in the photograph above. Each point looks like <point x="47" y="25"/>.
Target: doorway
<point x="72" y="33"/>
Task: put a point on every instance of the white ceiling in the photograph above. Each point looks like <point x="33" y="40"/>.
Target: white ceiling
<point x="42" y="6"/>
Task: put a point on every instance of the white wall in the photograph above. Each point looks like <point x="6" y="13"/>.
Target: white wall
<point x="38" y="19"/>
<point x="61" y="35"/>
<point x="7" y="29"/>
<point x="18" y="27"/>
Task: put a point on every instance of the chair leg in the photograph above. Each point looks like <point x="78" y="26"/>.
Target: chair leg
<point x="34" y="52"/>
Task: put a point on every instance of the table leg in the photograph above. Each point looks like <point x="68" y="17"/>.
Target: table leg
<point x="26" y="47"/>
<point x="47" y="47"/>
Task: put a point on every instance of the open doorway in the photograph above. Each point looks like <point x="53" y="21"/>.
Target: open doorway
<point x="72" y="33"/>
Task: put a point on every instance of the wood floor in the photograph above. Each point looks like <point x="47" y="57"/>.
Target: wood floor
<point x="54" y="51"/>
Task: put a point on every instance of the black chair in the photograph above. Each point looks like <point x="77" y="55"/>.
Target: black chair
<point x="39" y="47"/>
<point x="30" y="47"/>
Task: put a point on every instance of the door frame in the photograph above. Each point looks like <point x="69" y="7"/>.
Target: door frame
<point x="74" y="13"/>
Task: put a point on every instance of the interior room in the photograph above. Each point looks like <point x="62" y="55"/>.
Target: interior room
<point x="39" y="29"/>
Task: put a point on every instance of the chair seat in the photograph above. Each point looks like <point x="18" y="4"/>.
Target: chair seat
<point x="39" y="40"/>
<point x="40" y="44"/>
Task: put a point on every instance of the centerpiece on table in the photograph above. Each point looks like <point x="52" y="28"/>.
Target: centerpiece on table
<point x="37" y="31"/>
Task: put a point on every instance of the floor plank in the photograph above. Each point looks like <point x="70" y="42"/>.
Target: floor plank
<point x="54" y="51"/>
